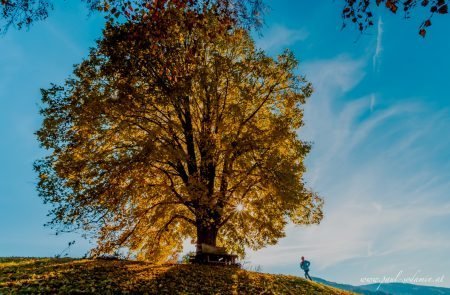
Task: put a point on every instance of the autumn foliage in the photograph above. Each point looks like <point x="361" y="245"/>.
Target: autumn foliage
<point x="360" y="12"/>
<point x="23" y="13"/>
<point x="177" y="128"/>
<point x="246" y="13"/>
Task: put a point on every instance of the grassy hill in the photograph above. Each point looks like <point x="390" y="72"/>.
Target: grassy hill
<point x="66" y="275"/>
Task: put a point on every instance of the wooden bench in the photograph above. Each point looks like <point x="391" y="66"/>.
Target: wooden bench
<point x="207" y="254"/>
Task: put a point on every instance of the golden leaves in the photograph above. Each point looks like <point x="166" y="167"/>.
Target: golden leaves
<point x="167" y="127"/>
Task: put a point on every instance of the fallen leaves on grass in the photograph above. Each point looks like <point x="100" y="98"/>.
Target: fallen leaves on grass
<point x="72" y="276"/>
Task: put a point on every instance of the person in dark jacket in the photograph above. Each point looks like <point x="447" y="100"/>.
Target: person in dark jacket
<point x="304" y="264"/>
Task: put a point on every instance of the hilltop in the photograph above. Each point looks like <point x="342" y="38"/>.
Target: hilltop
<point x="67" y="275"/>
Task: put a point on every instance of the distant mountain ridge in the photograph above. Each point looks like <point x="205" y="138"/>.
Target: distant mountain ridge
<point x="388" y="289"/>
<point x="356" y="289"/>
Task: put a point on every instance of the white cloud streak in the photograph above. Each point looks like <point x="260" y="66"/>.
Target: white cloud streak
<point x="278" y="37"/>
<point x="64" y="38"/>
<point x="379" y="45"/>
<point x="373" y="99"/>
<point x="382" y="194"/>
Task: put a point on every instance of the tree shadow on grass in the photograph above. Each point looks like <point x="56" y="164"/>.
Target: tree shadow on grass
<point x="78" y="276"/>
<point x="69" y="276"/>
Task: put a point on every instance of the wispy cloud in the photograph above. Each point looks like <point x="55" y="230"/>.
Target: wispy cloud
<point x="279" y="37"/>
<point x="64" y="38"/>
<point x="383" y="188"/>
<point x="379" y="45"/>
<point x="372" y="102"/>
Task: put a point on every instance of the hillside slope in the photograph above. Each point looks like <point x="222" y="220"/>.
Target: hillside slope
<point x="50" y="275"/>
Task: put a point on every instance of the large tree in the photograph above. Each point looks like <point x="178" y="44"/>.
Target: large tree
<point x="174" y="128"/>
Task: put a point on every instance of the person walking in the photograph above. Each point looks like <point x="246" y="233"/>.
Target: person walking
<point x="304" y="264"/>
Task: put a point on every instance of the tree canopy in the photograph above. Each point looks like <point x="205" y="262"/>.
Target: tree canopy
<point x="22" y="13"/>
<point x="248" y="13"/>
<point x="175" y="128"/>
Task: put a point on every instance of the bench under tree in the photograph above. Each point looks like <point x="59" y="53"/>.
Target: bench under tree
<point x="207" y="254"/>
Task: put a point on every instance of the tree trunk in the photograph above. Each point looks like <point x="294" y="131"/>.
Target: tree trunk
<point x="206" y="235"/>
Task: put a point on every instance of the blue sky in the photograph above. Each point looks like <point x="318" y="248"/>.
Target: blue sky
<point x="379" y="120"/>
